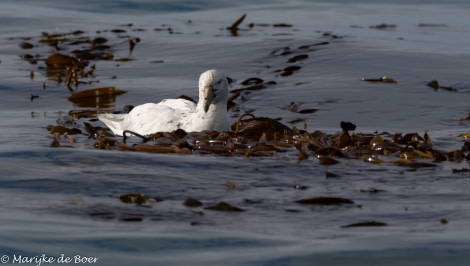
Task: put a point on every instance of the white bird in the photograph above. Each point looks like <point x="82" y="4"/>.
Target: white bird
<point x="210" y="113"/>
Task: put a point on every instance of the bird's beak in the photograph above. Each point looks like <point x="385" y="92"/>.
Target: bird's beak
<point x="208" y="97"/>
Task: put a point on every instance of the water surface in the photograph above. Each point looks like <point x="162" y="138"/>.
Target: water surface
<point x="56" y="201"/>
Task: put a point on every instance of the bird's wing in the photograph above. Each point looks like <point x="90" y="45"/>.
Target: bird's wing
<point x="179" y="105"/>
<point x="113" y="121"/>
<point x="165" y="116"/>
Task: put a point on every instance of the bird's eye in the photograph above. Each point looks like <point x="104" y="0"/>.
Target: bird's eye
<point x="220" y="81"/>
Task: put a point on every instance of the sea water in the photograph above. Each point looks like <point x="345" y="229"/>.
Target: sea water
<point x="59" y="204"/>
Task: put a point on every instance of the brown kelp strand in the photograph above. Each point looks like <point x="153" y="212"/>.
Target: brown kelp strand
<point x="436" y="86"/>
<point x="325" y="201"/>
<point x="192" y="202"/>
<point x="225" y="207"/>
<point x="383" y="79"/>
<point x="97" y="97"/>
<point x="234" y="27"/>
<point x="383" y="26"/>
<point x="365" y="224"/>
<point x="133" y="198"/>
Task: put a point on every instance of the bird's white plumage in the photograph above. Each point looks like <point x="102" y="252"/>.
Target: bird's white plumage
<point x="210" y="113"/>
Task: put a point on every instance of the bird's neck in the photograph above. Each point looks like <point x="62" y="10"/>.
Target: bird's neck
<point x="212" y="113"/>
<point x="216" y="118"/>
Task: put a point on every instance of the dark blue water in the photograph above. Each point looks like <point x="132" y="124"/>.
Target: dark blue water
<point x="66" y="200"/>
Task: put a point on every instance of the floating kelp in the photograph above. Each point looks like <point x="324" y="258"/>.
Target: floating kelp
<point x="294" y="108"/>
<point x="132" y="43"/>
<point x="54" y="40"/>
<point x="325" y="201"/>
<point x="224" y="206"/>
<point x="118" y="31"/>
<point x="234" y="27"/>
<point x="229" y="184"/>
<point x="383" y="26"/>
<point x="61" y="61"/>
<point x="252" y="81"/>
<point x="300" y="187"/>
<point x="85" y="113"/>
<point x="97" y="97"/>
<point x="308" y="46"/>
<point x="289" y="70"/>
<point x="372" y="190"/>
<point x="435" y="85"/>
<point x="282" y="25"/>
<point x="465" y="135"/>
<point x="302" y="155"/>
<point x="32" y="97"/>
<point x="329" y="151"/>
<point x="297" y="58"/>
<point x="56" y="143"/>
<point x="365" y="224"/>
<point x="192" y="202"/>
<point x="124" y="59"/>
<point x="415" y="165"/>
<point x="253" y="84"/>
<point x="329" y="174"/>
<point x="423" y="25"/>
<point x="297" y="120"/>
<point x="63" y="130"/>
<point x="372" y="159"/>
<point x="281" y="51"/>
<point x="307" y="111"/>
<point x="466" y="118"/>
<point x="26" y="45"/>
<point x="133" y="198"/>
<point x="457" y="155"/>
<point x="231" y="100"/>
<point x="157" y="61"/>
<point x="30" y="58"/>
<point x="438" y="156"/>
<point x="96" y="92"/>
<point x="132" y="218"/>
<point x="347" y="126"/>
<point x="462" y="170"/>
<point x="326" y="160"/>
<point x="383" y="79"/>
<point x="259" y="126"/>
<point x="144" y="147"/>
<point x="329" y="34"/>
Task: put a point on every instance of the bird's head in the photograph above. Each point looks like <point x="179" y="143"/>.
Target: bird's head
<point x="213" y="88"/>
